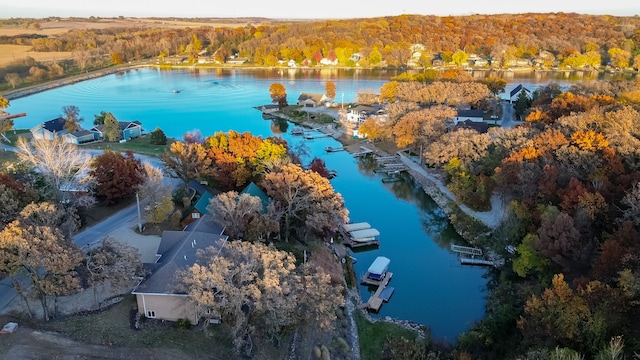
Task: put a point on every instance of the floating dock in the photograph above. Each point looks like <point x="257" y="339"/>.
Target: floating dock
<point x="481" y="262"/>
<point x="317" y="136"/>
<point x="330" y="149"/>
<point x="356" y="226"/>
<point x="359" y="240"/>
<point x="363" y="152"/>
<point x="382" y="293"/>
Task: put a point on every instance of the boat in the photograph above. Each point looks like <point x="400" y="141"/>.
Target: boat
<point x="297" y="131"/>
<point x="332" y="149"/>
<point x="332" y="174"/>
<point x="176" y="91"/>
<point x="378" y="269"/>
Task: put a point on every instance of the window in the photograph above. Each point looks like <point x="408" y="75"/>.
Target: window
<point x="195" y="215"/>
<point x="151" y="314"/>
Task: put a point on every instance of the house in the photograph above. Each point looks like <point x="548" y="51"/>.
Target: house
<point x="253" y="190"/>
<point x="199" y="208"/>
<point x="129" y="129"/>
<point x="270" y="108"/>
<point x="292" y="63"/>
<point x="157" y="295"/>
<point x="360" y="113"/>
<point x="311" y="99"/>
<point x="513" y="94"/>
<point x="80" y="137"/>
<point x="326" y="61"/>
<point x="481" y="127"/>
<point x="472" y="115"/>
<point x="238" y="61"/>
<point x="49" y="130"/>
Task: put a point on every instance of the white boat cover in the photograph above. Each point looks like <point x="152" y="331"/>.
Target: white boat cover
<point x="379" y="266"/>
<point x="364" y="234"/>
<point x="356" y="226"/>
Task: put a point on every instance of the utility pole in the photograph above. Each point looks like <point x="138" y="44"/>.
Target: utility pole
<point x="139" y="217"/>
<point x="342" y="102"/>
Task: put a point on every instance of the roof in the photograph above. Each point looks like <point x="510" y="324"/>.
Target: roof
<point x="198" y="187"/>
<point x="122" y="124"/>
<point x="55" y="125"/>
<point x="481" y="127"/>
<point x="81" y="133"/>
<point x="356" y="226"/>
<point x="379" y="266"/>
<point x="517" y="89"/>
<point x="178" y="250"/>
<point x="365" y="109"/>
<point x="317" y="98"/>
<point x="203" y="202"/>
<point x="364" y="233"/>
<point x="470" y="113"/>
<point x="253" y="190"/>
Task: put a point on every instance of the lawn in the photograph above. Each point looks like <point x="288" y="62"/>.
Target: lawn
<point x="373" y="336"/>
<point x="13" y="135"/>
<point x="139" y="145"/>
<point x="113" y="327"/>
<point x="299" y="116"/>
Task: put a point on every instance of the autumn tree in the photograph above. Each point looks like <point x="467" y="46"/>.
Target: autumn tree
<point x="71" y="115"/>
<point x="4" y="103"/>
<point x="185" y="161"/>
<point x="373" y="129"/>
<point x="114" y="264"/>
<point x="99" y="118"/>
<point x="278" y="94"/>
<point x="61" y="164"/>
<point x="13" y="79"/>
<point x="117" y="176"/>
<point x="157" y="192"/>
<point x="42" y="253"/>
<point x="330" y="89"/>
<point x="14" y="196"/>
<point x="306" y="199"/>
<point x="111" y="128"/>
<point x="495" y="85"/>
<point x="459" y="57"/>
<point x="234" y="211"/>
<point x="258" y="289"/>
<point x="560" y="242"/>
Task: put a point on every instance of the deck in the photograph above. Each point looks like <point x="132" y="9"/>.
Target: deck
<point x="466" y="250"/>
<point x="382" y="292"/>
<point x="481" y="262"/>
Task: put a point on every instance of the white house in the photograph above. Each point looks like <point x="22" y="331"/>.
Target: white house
<point x="360" y="113"/>
<point x="473" y="115"/>
<point x="311" y="99"/>
<point x="49" y="130"/>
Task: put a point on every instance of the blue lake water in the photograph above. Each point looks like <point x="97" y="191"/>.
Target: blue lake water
<point x="432" y="288"/>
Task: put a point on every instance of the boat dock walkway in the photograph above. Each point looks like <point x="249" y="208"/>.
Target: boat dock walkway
<point x="383" y="293"/>
<point x="466" y="250"/>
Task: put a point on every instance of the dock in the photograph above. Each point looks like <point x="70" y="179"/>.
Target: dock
<point x="466" y="250"/>
<point x="330" y="149"/>
<point x="363" y="152"/>
<point x="382" y="294"/>
<point x="311" y="137"/>
<point x="471" y="261"/>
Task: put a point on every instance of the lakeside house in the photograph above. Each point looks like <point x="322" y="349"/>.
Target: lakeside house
<point x="515" y="93"/>
<point x="80" y="137"/>
<point x="471" y="115"/>
<point x="358" y="114"/>
<point x="49" y="130"/>
<point x="199" y="208"/>
<point x="311" y="99"/>
<point x="129" y="129"/>
<point x="157" y="295"/>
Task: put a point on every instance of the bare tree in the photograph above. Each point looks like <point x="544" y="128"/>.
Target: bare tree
<point x="113" y="263"/>
<point x="63" y="166"/>
<point x="13" y="79"/>
<point x="234" y="211"/>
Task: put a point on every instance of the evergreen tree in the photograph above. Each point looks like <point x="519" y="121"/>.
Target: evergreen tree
<point x="158" y="137"/>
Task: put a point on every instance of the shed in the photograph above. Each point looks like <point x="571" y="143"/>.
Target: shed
<point x="378" y="268"/>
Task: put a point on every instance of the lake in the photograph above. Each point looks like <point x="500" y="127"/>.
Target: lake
<point x="431" y="287"/>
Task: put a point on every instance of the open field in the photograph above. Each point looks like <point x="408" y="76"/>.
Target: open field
<point x="10" y="53"/>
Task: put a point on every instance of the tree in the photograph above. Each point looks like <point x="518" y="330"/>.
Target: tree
<point x="318" y="165"/>
<point x="306" y="199"/>
<point x="495" y="85"/>
<point x="258" y="289"/>
<point x="278" y="94"/>
<point x="14" y="196"/>
<point x="522" y="104"/>
<point x="157" y="192"/>
<point x="158" y="137"/>
<point x="186" y="161"/>
<point x="459" y="57"/>
<point x="4" y="103"/>
<point x="559" y="241"/>
<point x="113" y="263"/>
<point x="13" y="79"/>
<point x="330" y="89"/>
<point x="234" y="211"/>
<point x="71" y="114"/>
<point x="619" y="57"/>
<point x="117" y="176"/>
<point x="61" y="164"/>
<point x="373" y="129"/>
<point x="99" y="119"/>
<point x="111" y="128"/>
<point x="375" y="57"/>
<point x="43" y="254"/>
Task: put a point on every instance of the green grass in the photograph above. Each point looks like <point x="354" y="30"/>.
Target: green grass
<point x="112" y="327"/>
<point x="299" y="116"/>
<point x="13" y="135"/>
<point x="373" y="336"/>
<point x="139" y="145"/>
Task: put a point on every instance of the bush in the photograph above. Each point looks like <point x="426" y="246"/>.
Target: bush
<point x="158" y="137"/>
<point x="183" y="324"/>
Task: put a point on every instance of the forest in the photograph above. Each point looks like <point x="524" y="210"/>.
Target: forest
<point x="554" y="40"/>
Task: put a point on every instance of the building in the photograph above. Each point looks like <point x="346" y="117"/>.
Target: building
<point x="360" y="113"/>
<point x="471" y="115"/>
<point x="80" y="137"/>
<point x="49" y="130"/>
<point x="129" y="129"/>
<point x="311" y="99"/>
<point x="199" y="208"/>
<point x="515" y="93"/>
<point x="158" y="296"/>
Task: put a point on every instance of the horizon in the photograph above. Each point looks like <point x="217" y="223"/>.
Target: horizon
<point x="290" y="9"/>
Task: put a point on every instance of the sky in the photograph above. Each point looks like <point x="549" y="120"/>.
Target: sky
<point x="297" y="9"/>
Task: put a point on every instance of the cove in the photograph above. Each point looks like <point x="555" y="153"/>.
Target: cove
<point x="432" y="288"/>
